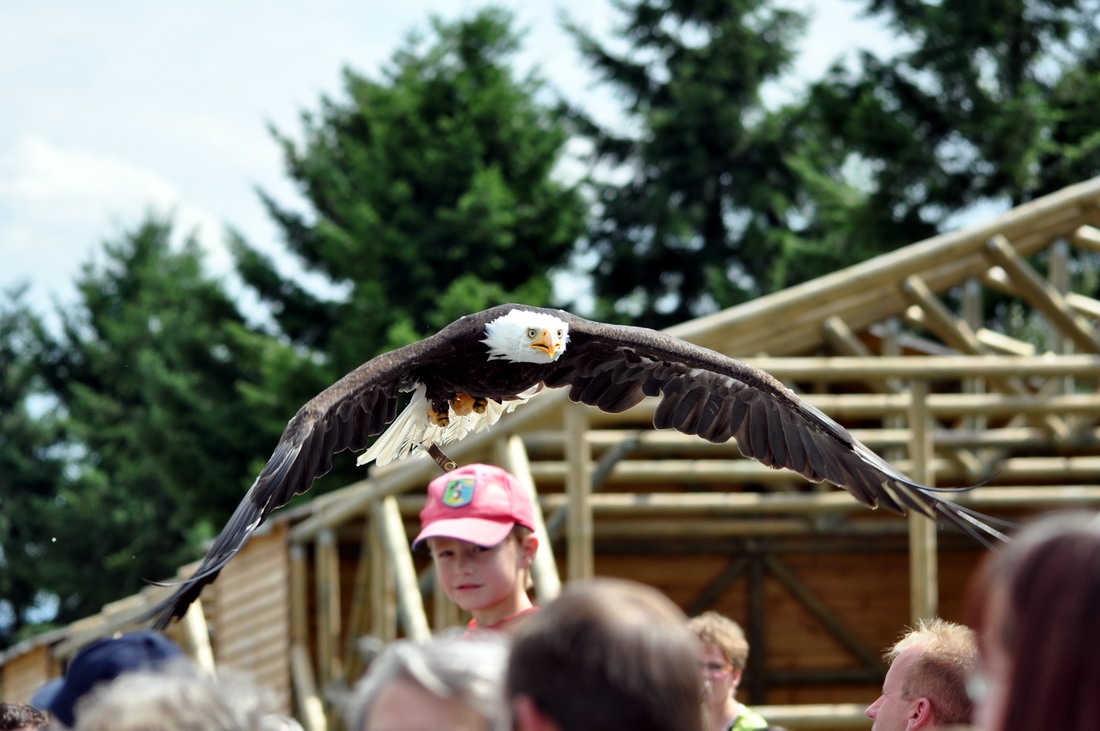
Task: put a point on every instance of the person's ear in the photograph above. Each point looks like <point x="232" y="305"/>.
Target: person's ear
<point x="735" y="677"/>
<point x="526" y="716"/>
<point x="920" y="715"/>
<point x="528" y="548"/>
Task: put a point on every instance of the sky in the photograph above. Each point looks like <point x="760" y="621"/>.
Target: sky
<point x="119" y="107"/>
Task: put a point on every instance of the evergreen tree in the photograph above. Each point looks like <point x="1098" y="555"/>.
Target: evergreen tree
<point x="989" y="102"/>
<point x="724" y="199"/>
<point x="431" y="194"/>
<point x="148" y="369"/>
<point x="30" y="469"/>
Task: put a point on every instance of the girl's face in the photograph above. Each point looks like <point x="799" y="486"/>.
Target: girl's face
<point x="487" y="581"/>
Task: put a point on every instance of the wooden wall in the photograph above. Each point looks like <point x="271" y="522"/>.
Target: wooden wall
<point x="250" y="614"/>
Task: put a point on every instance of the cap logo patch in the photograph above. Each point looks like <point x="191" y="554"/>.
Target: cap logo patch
<point x="459" y="492"/>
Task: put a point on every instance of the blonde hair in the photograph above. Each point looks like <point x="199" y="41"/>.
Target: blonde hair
<point x="717" y="629"/>
<point x="947" y="656"/>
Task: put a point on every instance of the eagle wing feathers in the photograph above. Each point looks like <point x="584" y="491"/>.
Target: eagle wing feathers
<point x="609" y="367"/>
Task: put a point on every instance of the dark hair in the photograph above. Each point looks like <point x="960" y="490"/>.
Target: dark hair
<point x="18" y="715"/>
<point x="611" y="655"/>
<point x="1048" y="580"/>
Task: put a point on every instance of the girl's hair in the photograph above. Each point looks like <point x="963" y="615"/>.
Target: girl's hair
<point x="1049" y="581"/>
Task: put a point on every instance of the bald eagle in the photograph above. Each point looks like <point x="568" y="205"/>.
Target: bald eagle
<point x="471" y="372"/>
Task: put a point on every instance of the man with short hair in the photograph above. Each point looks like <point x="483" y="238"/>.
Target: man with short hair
<point x="925" y="687"/>
<point x="607" y="654"/>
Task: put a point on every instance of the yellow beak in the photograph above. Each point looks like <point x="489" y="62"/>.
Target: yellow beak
<point x="547" y="343"/>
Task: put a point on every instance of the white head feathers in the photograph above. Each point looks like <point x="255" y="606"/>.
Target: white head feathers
<point x="523" y="336"/>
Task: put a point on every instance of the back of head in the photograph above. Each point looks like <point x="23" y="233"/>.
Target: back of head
<point x="1044" y="590"/>
<point x="20" y="715"/>
<point x="948" y="656"/>
<point x="609" y="655"/>
<point x="469" y="670"/>
<point x="178" y="697"/>
<point x="101" y="662"/>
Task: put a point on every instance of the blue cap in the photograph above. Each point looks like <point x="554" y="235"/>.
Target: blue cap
<point x="101" y="661"/>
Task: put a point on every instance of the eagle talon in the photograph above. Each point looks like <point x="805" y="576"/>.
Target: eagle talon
<point x="463" y="404"/>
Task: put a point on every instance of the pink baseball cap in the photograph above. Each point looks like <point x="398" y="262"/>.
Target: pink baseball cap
<point x="478" y="503"/>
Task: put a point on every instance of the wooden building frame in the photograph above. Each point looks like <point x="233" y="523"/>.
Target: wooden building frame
<point x="894" y="348"/>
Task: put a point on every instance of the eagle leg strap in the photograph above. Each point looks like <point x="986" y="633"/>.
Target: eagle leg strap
<point x="445" y="463"/>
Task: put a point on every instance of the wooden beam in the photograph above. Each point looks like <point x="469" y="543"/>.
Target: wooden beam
<point x="957" y="333"/>
<point x="579" y="536"/>
<point x="410" y="605"/>
<point x="196" y="637"/>
<point x="327" y="559"/>
<point x="818" y="716"/>
<point x="358" y="612"/>
<point x="935" y="367"/>
<point x="805" y="596"/>
<point x="1042" y="295"/>
<point x="1059" y="212"/>
<point x="1087" y="237"/>
<point x="311" y="710"/>
<point x="923" y="562"/>
<point x="732" y="572"/>
<point x="756" y="600"/>
<point x="383" y="598"/>
<point x="299" y="596"/>
<point x="720" y="472"/>
<point x="715" y="504"/>
<point x="544" y="569"/>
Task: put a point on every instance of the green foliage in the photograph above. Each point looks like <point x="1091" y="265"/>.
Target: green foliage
<point x="30" y="467"/>
<point x="431" y="196"/>
<point x="148" y="370"/>
<point x="713" y="198"/>
<point x="991" y="102"/>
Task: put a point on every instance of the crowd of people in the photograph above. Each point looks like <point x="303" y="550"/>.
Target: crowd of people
<point x="610" y="654"/>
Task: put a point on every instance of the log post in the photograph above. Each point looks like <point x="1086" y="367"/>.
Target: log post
<point x="578" y="485"/>
<point x="923" y="574"/>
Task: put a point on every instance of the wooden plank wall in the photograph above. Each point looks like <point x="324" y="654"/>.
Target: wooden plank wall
<point x="251" y="601"/>
<point x="24" y="674"/>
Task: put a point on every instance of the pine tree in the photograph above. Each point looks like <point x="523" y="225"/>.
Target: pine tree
<point x="148" y="370"/>
<point x="30" y="469"/>
<point x="990" y="102"/>
<point x="713" y="198"/>
<point x="431" y="193"/>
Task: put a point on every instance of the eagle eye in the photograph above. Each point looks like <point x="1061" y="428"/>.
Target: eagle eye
<point x="532" y="333"/>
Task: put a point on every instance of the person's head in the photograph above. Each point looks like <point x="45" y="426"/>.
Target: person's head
<point x="478" y="522"/>
<point x="926" y="685"/>
<point x="723" y="653"/>
<point x="1034" y="605"/>
<point x="177" y="697"/>
<point x="103" y="661"/>
<point x="446" y="682"/>
<point x="21" y="717"/>
<point x="606" y="654"/>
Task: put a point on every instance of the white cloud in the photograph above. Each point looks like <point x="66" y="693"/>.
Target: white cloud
<point x="57" y="202"/>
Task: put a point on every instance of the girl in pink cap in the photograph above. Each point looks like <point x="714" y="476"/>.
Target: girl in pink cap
<point x="479" y="525"/>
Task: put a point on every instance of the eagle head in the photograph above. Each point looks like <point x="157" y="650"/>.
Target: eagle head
<point x="524" y="336"/>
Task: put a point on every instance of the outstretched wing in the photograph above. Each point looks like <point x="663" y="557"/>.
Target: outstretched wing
<point x="343" y="416"/>
<point x="716" y="397"/>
